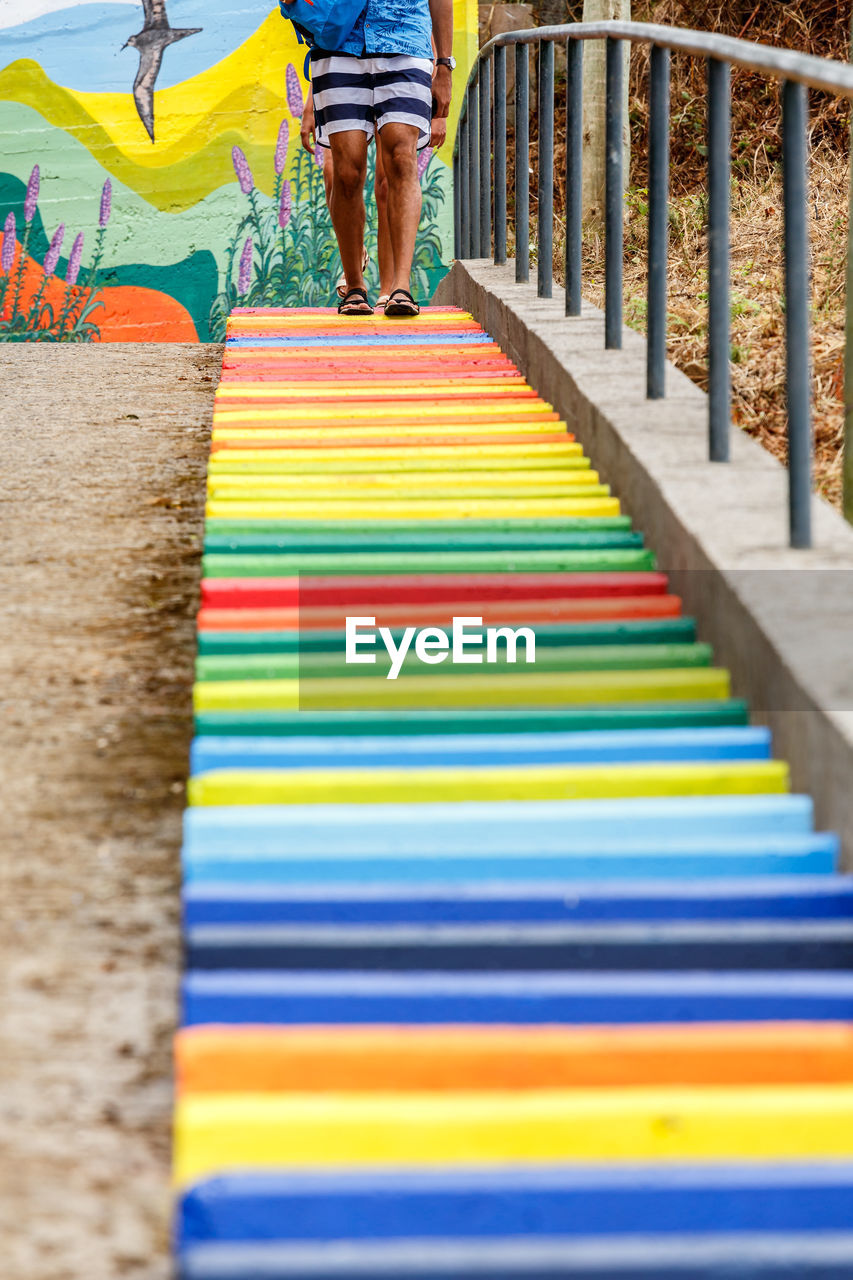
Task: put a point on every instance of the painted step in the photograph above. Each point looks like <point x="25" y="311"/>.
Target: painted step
<point x="428" y="509"/>
<point x="522" y="782"/>
<point x="432" y="589"/>
<point x="259" y="542"/>
<point x="731" y="945"/>
<point x="423" y="999"/>
<point x="548" y="635"/>
<point x="749" y="1257"/>
<point x="209" y="753"/>
<point x="211" y="1059"/>
<point x="648" y="657"/>
<point x="568" y="1201"/>
<point x="284" y="463"/>
<point x="772" y="898"/>
<point x="365" y="563"/>
<point x="526" y="612"/>
<point x="481" y="720"/>
<point x="498" y="689"/>
<point x="219" y="1133"/>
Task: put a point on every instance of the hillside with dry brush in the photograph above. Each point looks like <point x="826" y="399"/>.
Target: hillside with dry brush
<point x="821" y="27"/>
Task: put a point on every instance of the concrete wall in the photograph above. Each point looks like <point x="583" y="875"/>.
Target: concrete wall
<point x="149" y="178"/>
<point x="780" y="620"/>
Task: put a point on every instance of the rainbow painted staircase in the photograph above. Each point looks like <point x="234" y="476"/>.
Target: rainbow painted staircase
<point x="494" y="969"/>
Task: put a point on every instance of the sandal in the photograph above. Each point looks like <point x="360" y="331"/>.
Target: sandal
<point x="401" y="303"/>
<point x="355" y="303"/>
<point x="341" y="286"/>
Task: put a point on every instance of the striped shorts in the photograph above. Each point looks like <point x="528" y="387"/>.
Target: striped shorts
<point x="367" y="93"/>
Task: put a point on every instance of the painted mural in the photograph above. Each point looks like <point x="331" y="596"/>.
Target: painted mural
<point x="152" y="176"/>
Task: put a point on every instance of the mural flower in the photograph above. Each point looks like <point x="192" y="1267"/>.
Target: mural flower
<point x="242" y="170"/>
<point x="74" y="261"/>
<point x="294" y="92"/>
<point x="281" y="147"/>
<point x="52" y="256"/>
<point x="106" y="204"/>
<point x="285" y="205"/>
<point x="424" y="158"/>
<point x="7" y="256"/>
<point x="32" y="197"/>
<point x="244" y="279"/>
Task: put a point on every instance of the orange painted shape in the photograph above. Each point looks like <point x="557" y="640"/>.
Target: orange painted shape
<point x="493" y="612"/>
<point x="129" y="313"/>
<point x="389" y="442"/>
<point x="354" y="1059"/>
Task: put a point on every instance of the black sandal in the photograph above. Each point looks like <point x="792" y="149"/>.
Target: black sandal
<point x="401" y="303"/>
<point x="355" y="303"/>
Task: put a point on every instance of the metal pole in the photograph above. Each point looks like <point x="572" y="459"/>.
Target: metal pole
<point x="500" y="155"/>
<point x="457" y="203"/>
<point x="464" y="193"/>
<point x="574" y="174"/>
<point x="485" y="159"/>
<point x="719" y="306"/>
<point x="658" y="222"/>
<point x="522" y="164"/>
<point x="797" y="330"/>
<point x="545" y="218"/>
<point x="614" y="199"/>
<point x="474" y="167"/>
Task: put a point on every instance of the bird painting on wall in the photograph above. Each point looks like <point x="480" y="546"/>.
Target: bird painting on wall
<point x="151" y="43"/>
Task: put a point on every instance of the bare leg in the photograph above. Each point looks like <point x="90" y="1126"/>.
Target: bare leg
<point x="384" y="251"/>
<point x="346" y="205"/>
<point x="398" y="143"/>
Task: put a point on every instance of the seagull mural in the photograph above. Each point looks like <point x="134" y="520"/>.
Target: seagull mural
<point x="151" y="43"/>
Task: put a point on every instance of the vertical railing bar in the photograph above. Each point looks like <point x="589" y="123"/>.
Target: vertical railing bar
<point x="614" y="199"/>
<point x="658" y="221"/>
<point x="457" y="202"/>
<point x="797" y="328"/>
<point x="485" y="159"/>
<point x="545" y="176"/>
<point x="474" y="166"/>
<point x="574" y="174"/>
<point x="522" y="163"/>
<point x="500" y="155"/>
<point x="464" y="186"/>
<point x="719" y="255"/>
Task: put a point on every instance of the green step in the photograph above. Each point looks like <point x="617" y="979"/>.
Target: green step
<point x="646" y="715"/>
<point x="296" y="666"/>
<point x="455" y="540"/>
<point x="639" y="631"/>
<point x="447" y="530"/>
<point x="286" y="566"/>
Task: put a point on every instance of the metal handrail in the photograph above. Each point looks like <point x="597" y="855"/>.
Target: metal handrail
<point x="477" y="216"/>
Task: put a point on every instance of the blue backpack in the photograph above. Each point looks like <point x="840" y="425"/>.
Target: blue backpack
<point x="326" y="23"/>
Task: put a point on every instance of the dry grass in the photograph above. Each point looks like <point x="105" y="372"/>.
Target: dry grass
<point x="758" y="335"/>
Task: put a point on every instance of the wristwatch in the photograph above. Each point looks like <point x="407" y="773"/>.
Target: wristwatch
<point x="446" y="62"/>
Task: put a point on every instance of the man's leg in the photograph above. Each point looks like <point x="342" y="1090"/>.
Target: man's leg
<point x="346" y="205"/>
<point x="384" y="251"/>
<point x="398" y="144"/>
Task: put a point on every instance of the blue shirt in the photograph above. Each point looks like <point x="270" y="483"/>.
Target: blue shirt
<point x="391" y="27"/>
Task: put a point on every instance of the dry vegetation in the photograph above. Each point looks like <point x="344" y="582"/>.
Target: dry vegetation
<point x="817" y="26"/>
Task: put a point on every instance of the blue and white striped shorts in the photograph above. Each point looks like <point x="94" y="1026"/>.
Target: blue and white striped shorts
<point x="367" y="93"/>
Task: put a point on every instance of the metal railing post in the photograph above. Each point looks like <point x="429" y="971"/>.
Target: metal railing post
<point x="485" y="157"/>
<point x="658" y="222"/>
<point x="464" y="193"/>
<point x="574" y="174"/>
<point x="457" y="211"/>
<point x="719" y="288"/>
<point x="474" y="169"/>
<point x="614" y="200"/>
<point x="797" y="329"/>
<point x="545" y="174"/>
<point x="500" y="155"/>
<point x="522" y="164"/>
